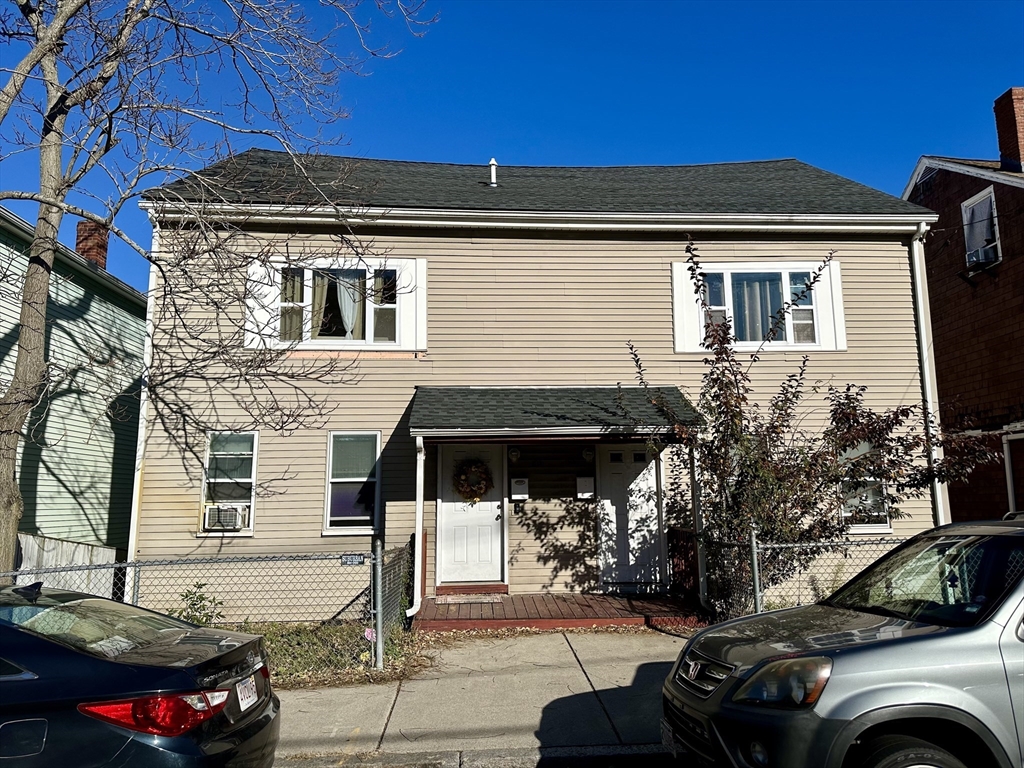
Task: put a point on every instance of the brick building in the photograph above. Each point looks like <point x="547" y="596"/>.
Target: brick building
<point x="975" y="270"/>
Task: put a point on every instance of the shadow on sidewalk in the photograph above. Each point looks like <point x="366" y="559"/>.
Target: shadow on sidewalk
<point x="632" y="713"/>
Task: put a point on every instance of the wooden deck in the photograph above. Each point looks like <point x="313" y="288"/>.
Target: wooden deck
<point x="544" y="611"/>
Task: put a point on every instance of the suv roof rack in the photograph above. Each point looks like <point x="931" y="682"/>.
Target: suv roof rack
<point x="1018" y="515"/>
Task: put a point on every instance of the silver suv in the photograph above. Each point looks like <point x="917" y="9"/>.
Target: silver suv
<point x="916" y="662"/>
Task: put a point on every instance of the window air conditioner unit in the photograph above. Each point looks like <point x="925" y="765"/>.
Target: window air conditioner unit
<point x="989" y="254"/>
<point x="225" y="517"/>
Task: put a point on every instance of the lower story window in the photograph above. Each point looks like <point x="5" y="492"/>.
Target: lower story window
<point x="864" y="506"/>
<point x="229" y="482"/>
<point x="353" y="480"/>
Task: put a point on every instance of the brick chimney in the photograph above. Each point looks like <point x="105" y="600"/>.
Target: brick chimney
<point x="91" y="242"/>
<point x="1009" y="109"/>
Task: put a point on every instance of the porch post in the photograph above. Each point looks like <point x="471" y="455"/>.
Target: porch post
<point x="417" y="573"/>
<point x="662" y="532"/>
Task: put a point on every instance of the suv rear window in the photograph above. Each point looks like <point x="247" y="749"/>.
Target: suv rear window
<point x="100" y="627"/>
<point x="952" y="581"/>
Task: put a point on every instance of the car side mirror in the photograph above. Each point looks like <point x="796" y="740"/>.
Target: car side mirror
<point x="1020" y="631"/>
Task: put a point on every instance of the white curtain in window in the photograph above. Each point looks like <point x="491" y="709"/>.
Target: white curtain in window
<point x="350" y="300"/>
<point x="756" y="298"/>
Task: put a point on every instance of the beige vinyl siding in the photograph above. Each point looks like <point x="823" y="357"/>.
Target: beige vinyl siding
<point x="536" y="309"/>
<point x="533" y="568"/>
<point x="552" y="560"/>
<point x="77" y="456"/>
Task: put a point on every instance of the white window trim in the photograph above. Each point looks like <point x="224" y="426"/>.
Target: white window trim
<point x="361" y="530"/>
<point x="245" y="533"/>
<point x="869" y="528"/>
<point x="263" y="310"/>
<point x="967" y="204"/>
<point x="829" y="317"/>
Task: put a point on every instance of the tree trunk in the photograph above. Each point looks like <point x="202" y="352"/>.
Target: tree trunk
<point x="28" y="382"/>
<point x="29" y="379"/>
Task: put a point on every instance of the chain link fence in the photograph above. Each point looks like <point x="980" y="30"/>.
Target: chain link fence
<point x="319" y="613"/>
<point x="395" y="590"/>
<point x="755" y="576"/>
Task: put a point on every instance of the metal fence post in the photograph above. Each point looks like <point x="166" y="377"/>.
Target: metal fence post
<point x="755" y="569"/>
<point x="378" y="602"/>
<point x="135" y="585"/>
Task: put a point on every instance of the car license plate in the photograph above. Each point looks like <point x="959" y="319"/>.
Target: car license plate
<point x="246" y="693"/>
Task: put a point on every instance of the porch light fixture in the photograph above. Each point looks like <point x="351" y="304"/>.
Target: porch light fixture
<point x="513" y="455"/>
<point x="588" y="455"/>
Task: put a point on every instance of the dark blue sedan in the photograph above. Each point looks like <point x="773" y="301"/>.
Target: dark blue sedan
<point x="86" y="681"/>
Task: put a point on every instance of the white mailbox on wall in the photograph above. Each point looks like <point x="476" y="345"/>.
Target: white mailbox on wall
<point x="584" y="487"/>
<point x="520" y="489"/>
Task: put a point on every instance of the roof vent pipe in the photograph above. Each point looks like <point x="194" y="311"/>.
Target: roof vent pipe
<point x="494" y="172"/>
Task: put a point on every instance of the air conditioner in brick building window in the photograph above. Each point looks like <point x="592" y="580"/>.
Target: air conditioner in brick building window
<point x="980" y="256"/>
<point x="225" y="517"/>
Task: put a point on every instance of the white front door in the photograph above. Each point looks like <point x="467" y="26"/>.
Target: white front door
<point x="631" y="535"/>
<point x="470" y="535"/>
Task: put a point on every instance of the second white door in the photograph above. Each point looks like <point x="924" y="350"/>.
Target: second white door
<point x="631" y="535"/>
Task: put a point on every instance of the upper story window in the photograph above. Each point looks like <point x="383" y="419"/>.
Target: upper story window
<point x="355" y="305"/>
<point x="229" y="482"/>
<point x="752" y="295"/>
<point x="376" y="304"/>
<point x="754" y="301"/>
<point x="981" y="229"/>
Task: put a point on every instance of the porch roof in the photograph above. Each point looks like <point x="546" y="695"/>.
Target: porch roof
<point x="546" y="411"/>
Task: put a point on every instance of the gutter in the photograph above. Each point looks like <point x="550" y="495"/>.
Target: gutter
<point x="417" y="560"/>
<point x="926" y="361"/>
<point x="505" y="432"/>
<point x="554" y="220"/>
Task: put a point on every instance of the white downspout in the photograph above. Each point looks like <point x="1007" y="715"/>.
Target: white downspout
<point x="147" y="361"/>
<point x="417" y="557"/>
<point x="925" y="351"/>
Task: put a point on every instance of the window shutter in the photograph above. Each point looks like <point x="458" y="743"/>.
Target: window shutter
<point x="262" y="301"/>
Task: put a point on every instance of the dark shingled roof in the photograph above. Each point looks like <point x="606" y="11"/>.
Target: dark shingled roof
<point x="766" y="187"/>
<point x="568" y="410"/>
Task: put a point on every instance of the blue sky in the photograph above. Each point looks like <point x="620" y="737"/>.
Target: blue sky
<point x="860" y="88"/>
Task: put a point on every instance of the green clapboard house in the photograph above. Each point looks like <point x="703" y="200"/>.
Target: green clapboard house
<point x="77" y="456"/>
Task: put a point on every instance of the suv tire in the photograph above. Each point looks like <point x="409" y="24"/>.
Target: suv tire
<point x="906" y="752"/>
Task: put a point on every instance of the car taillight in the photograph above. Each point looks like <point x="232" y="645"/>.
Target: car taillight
<point x="265" y="671"/>
<point x="168" y="714"/>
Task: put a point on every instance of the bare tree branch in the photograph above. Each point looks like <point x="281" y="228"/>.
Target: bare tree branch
<point x="113" y="96"/>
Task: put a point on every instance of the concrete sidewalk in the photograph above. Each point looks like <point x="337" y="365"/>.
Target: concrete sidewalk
<point x="493" y="702"/>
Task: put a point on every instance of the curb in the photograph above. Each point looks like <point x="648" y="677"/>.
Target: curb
<point x="621" y="755"/>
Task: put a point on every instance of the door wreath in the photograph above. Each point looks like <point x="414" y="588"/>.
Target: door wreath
<point x="472" y="479"/>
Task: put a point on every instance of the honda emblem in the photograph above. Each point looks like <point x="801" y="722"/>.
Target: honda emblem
<point x="693" y="669"/>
